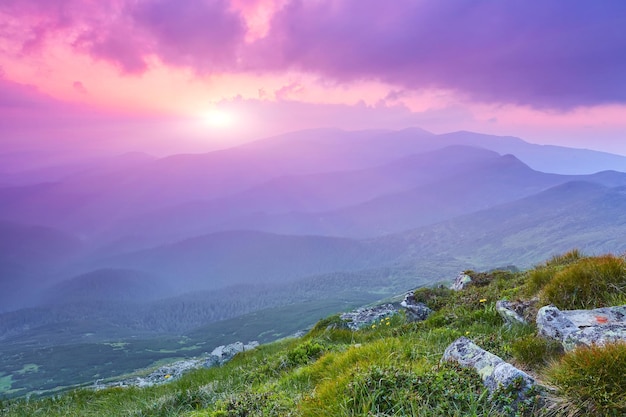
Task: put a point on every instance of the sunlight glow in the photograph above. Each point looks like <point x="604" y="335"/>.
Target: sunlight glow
<point x="219" y="119"/>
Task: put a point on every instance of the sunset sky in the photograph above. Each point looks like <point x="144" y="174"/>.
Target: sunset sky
<point x="192" y="75"/>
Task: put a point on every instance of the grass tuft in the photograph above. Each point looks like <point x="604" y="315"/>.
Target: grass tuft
<point x="588" y="283"/>
<point x="591" y="382"/>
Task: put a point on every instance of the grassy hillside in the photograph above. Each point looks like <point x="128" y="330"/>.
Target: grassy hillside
<point x="392" y="368"/>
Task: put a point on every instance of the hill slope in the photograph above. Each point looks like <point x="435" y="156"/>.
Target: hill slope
<point x="390" y="366"/>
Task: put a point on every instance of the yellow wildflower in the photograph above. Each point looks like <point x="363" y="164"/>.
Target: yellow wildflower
<point x="482" y="300"/>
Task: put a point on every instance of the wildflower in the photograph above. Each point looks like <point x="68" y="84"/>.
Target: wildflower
<point x="373" y="326"/>
<point x="387" y="323"/>
<point x="168" y="376"/>
<point x="482" y="300"/>
<point x="466" y="333"/>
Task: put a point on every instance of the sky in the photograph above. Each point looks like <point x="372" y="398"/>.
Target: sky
<point x="167" y="76"/>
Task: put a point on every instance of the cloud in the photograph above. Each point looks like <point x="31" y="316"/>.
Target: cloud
<point x="78" y="86"/>
<point x="200" y="34"/>
<point x="21" y="96"/>
<point x="543" y="54"/>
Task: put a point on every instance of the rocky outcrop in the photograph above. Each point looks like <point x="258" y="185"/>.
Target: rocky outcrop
<point x="224" y="353"/>
<point x="415" y="311"/>
<point x="510" y="312"/>
<point x="553" y="324"/>
<point x="575" y="328"/>
<point x="494" y="371"/>
<point x="366" y="316"/>
<point x="461" y="281"/>
<point x="173" y="371"/>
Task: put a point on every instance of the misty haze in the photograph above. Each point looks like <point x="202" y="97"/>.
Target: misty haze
<point x="179" y="177"/>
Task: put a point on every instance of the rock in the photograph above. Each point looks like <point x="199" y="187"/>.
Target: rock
<point x="506" y="309"/>
<point x="553" y="324"/>
<point x="575" y="328"/>
<point x="224" y="353"/>
<point x="415" y="311"/>
<point x="494" y="371"/>
<point x="597" y="317"/>
<point x="366" y="316"/>
<point x="595" y="335"/>
<point x="173" y="371"/>
<point x="461" y="281"/>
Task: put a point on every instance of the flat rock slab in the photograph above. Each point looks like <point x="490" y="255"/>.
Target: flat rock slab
<point x="493" y="370"/>
<point x="574" y="328"/>
<point x="595" y="335"/>
<point x="605" y="316"/>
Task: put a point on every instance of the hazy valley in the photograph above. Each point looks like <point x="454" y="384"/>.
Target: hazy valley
<point x="175" y="255"/>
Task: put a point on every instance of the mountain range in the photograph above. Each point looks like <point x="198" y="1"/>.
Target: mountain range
<point x="137" y="245"/>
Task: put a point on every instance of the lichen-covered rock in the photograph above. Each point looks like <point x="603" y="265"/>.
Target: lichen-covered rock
<point x="415" y="311"/>
<point x="494" y="371"/>
<point x="604" y="316"/>
<point x="461" y="281"/>
<point x="507" y="311"/>
<point x="366" y="316"/>
<point x="575" y="328"/>
<point x="224" y="353"/>
<point x="553" y="324"/>
<point x="162" y="375"/>
<point x="595" y="335"/>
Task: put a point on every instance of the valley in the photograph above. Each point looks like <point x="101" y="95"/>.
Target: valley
<point x="121" y="265"/>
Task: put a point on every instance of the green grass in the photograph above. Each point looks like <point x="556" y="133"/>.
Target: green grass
<point x="586" y="283"/>
<point x="591" y="381"/>
<point x="391" y="369"/>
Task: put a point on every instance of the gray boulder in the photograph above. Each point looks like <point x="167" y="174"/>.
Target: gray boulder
<point x="494" y="371"/>
<point x="553" y="324"/>
<point x="595" y="335"/>
<point x="222" y="354"/>
<point x="415" y="311"/>
<point x="506" y="309"/>
<point x="605" y="316"/>
<point x="461" y="281"/>
<point x="575" y="328"/>
<point x="366" y="316"/>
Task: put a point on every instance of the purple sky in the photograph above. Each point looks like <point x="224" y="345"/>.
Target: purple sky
<point x="167" y="76"/>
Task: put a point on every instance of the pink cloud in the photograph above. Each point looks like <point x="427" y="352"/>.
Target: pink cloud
<point x="541" y="54"/>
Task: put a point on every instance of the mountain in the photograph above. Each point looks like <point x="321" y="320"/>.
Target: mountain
<point x="108" y="284"/>
<point x="494" y="181"/>
<point x="91" y="202"/>
<point x="576" y="214"/>
<point x="29" y="255"/>
<point x="305" y="193"/>
<point x="546" y="158"/>
<point x="234" y="257"/>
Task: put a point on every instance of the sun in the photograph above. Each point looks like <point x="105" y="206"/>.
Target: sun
<point x="219" y="119"/>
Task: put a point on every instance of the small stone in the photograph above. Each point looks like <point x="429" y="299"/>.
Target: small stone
<point x="461" y="281"/>
<point x="415" y="311"/>
<point x="507" y="311"/>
